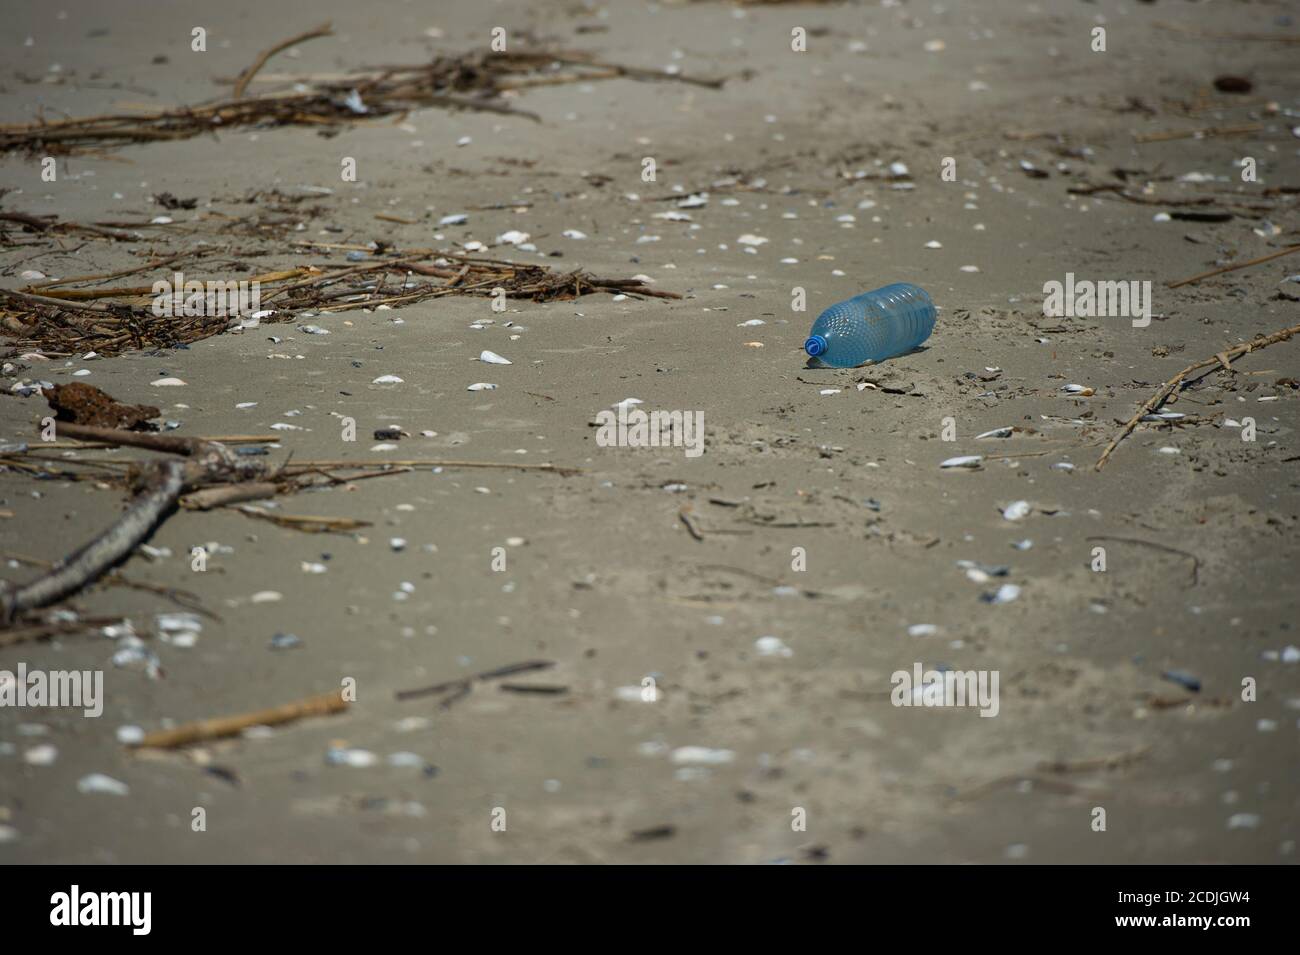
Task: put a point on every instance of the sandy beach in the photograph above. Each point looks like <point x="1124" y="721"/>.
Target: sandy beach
<point x="716" y="636"/>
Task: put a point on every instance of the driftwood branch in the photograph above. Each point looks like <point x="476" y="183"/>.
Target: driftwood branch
<point x="224" y="494"/>
<point x="150" y="506"/>
<point x="158" y="487"/>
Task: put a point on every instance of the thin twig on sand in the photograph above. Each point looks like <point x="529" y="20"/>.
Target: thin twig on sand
<point x="1112" y="762"/>
<point x="307" y="523"/>
<point x="242" y="83"/>
<point x="1223" y="358"/>
<point x="1234" y="268"/>
<point x="1203" y="132"/>
<point x="1196" y="561"/>
<point x="1212" y="35"/>
<point x="182" y="598"/>
<point x="300" y="466"/>
<point x="223" y="726"/>
<point x="459" y="688"/>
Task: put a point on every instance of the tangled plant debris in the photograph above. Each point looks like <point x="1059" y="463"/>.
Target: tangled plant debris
<point x="477" y="80"/>
<point x="112" y="320"/>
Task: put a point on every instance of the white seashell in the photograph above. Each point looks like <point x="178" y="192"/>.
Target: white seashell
<point x="629" y="403"/>
<point x="573" y="234"/>
<point x="966" y="461"/>
<point x="356" y="758"/>
<point x="636" y="694"/>
<point x="772" y="647"/>
<point x="702" y="755"/>
<point x="1017" y="510"/>
<point x="1077" y="390"/>
<point x="922" y="630"/>
<point x="492" y="358"/>
<point x="1006" y="593"/>
<point x="932" y="244"/>
<point x="458" y="218"/>
<point x="31" y="275"/>
<point x="43" y="755"/>
<point x="513" y="237"/>
<point x="752" y="240"/>
<point x="99" y="783"/>
<point x="481" y="386"/>
<point x="176" y="622"/>
<point x="129" y="735"/>
<point x="167" y="383"/>
<point x="387" y="380"/>
<point x="996" y="433"/>
<point x="751" y="322"/>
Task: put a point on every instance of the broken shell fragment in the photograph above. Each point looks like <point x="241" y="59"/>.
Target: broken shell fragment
<point x="1017" y="510"/>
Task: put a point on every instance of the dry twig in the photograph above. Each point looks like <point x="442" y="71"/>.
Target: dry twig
<point x="1173" y="384"/>
<point x="196" y="732"/>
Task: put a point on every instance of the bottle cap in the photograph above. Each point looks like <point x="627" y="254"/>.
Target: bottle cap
<point x="815" y="345"/>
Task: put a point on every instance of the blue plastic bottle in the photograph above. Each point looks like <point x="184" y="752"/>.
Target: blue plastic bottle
<point x="874" y="325"/>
